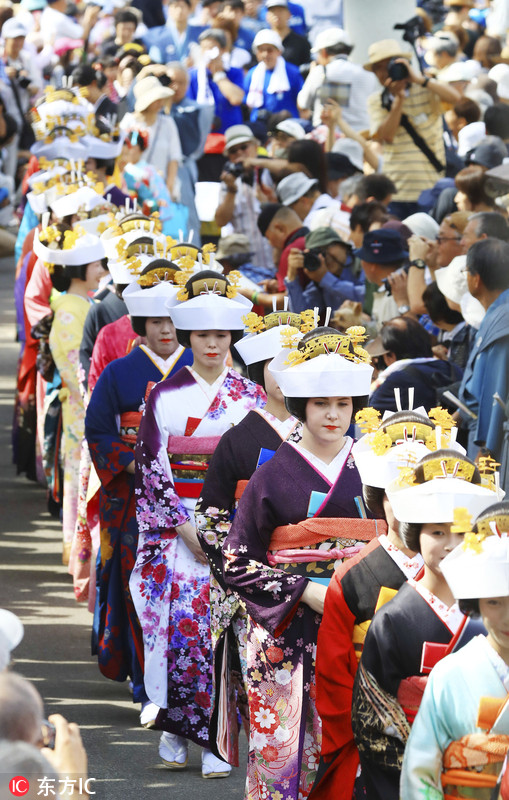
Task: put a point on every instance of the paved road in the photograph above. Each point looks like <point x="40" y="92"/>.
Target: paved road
<point x="55" y="653"/>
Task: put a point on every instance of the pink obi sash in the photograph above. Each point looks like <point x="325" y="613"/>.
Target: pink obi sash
<point x="189" y="460"/>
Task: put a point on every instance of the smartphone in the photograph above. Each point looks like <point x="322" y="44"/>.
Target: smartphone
<point x="340" y="92"/>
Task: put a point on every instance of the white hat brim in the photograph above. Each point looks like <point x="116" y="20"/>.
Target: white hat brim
<point x="321" y="376"/>
<point x="151" y="302"/>
<point x="474" y="575"/>
<point x="435" y="500"/>
<point x="210" y="312"/>
<point x="262" y="346"/>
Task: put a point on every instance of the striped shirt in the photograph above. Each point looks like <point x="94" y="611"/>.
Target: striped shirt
<point x="403" y="161"/>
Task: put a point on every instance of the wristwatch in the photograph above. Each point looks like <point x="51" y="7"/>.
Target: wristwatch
<point x="219" y="76"/>
<point x="418" y="263"/>
<point x="403" y="309"/>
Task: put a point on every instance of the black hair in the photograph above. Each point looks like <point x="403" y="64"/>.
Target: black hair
<point x="184" y="337"/>
<point x="364" y="214"/>
<point x="470" y="607"/>
<point x="239" y="4"/>
<point x="468" y="109"/>
<point x="61" y="276"/>
<point x="406" y="338"/>
<point x="374" y="500"/>
<point x="85" y="74"/>
<point x="296" y="406"/>
<point x="409" y="533"/>
<point x="138" y="325"/>
<point x="126" y="16"/>
<point x="339" y="49"/>
<point x="491" y="223"/>
<point x="256" y="372"/>
<point x="107" y="163"/>
<point x="217" y="35"/>
<point x="378" y="186"/>
<point x="437" y="308"/>
<point x="311" y="155"/>
<point x="489" y="259"/>
<point x="119" y="289"/>
<point x="496" y="118"/>
<point x="497" y="508"/>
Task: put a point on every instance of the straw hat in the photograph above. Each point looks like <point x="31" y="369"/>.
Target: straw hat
<point x="385" y="48"/>
<point x="148" y="90"/>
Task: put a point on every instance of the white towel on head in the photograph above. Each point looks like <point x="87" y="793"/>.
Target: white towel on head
<point x="278" y="82"/>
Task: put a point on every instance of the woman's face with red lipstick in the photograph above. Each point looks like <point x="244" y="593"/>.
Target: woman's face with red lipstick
<point x="210" y="348"/>
<point x="160" y="336"/>
<point x="328" y="418"/>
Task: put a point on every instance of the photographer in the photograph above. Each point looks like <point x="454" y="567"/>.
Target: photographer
<point x="406" y="118"/>
<point x="327" y="264"/>
<point x="239" y="203"/>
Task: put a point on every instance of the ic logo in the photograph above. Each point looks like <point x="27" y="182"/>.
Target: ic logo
<point x="19" y="786"/>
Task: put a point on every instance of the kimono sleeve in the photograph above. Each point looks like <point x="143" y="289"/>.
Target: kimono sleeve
<point x="109" y="453"/>
<point x="214" y="509"/>
<point x="158" y="506"/>
<point x="271" y="596"/>
<point x="429" y="737"/>
<point x="65" y="338"/>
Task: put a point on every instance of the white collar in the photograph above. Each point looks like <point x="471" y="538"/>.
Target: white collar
<point x="408" y="566"/>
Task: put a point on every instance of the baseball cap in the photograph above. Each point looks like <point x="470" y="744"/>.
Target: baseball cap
<point x="330" y="38"/>
<point x="490" y="152"/>
<point x="323" y="237"/>
<point x="293" y="187"/>
<point x="12" y="28"/>
<point x="237" y="134"/>
<point x="291" y="127"/>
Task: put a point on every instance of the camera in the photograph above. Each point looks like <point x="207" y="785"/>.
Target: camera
<point x="23" y="80"/>
<point x="397" y="71"/>
<point x="412" y="29"/>
<point x="237" y="170"/>
<point x="48" y="734"/>
<point x="312" y="260"/>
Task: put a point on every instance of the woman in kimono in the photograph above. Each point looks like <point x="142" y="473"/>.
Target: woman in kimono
<point x="296" y="509"/>
<point x="184" y="418"/>
<point x="240" y="452"/>
<point x="422" y="623"/>
<point x="460" y="736"/>
<point x="74" y="260"/>
<point x="112" y="420"/>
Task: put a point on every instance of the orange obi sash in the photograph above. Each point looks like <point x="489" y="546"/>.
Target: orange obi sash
<point x="312" y="547"/>
<point x="472" y="765"/>
<point x="189" y="460"/>
<point x="129" y="427"/>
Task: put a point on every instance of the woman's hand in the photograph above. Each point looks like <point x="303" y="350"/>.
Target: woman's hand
<point x="188" y="534"/>
<point x="314" y="596"/>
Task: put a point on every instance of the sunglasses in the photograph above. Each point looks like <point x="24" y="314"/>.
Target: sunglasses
<point x="441" y="239"/>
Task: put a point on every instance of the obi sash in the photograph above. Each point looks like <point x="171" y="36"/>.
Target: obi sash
<point x="472" y="765"/>
<point x="129" y="427"/>
<point x="313" y="547"/>
<point x="189" y="460"/>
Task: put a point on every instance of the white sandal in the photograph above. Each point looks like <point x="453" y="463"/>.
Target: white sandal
<point x="212" y="767"/>
<point x="173" y="750"/>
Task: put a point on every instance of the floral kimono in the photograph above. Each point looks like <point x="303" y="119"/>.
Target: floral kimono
<point x="183" y="421"/>
<point x="240" y="452"/>
<point x="112" y="419"/>
<point x="285" y="730"/>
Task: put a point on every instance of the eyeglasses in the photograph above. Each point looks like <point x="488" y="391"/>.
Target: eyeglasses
<point x="334" y="259"/>
<point x="241" y="148"/>
<point x="441" y="239"/>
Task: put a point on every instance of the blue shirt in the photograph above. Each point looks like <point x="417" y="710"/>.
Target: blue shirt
<point x="487" y="372"/>
<point x="297" y="20"/>
<point x="228" y="114"/>
<point x="282" y="101"/>
<point x="331" y="291"/>
<point x="164" y="43"/>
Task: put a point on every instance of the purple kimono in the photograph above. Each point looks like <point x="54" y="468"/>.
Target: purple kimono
<point x="183" y="420"/>
<point x="285" y="730"/>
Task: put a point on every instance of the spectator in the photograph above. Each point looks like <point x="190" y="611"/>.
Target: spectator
<point x="303" y="195"/>
<point x="210" y="84"/>
<point x="487" y="370"/>
<point x="173" y="41"/>
<point x="376" y="187"/>
<point x="382" y="257"/>
<point x="330" y="277"/>
<point x="296" y="48"/>
<point x="297" y="19"/>
<point x="471" y="195"/>
<point x="442" y="51"/>
<point x="163" y="151"/>
<point x="405" y="347"/>
<point x="483" y="225"/>
<point x="233" y="11"/>
<point x="238" y="199"/>
<point x="449" y="237"/>
<point x="496" y="120"/>
<point x="334" y="73"/>
<point x="282" y="136"/>
<point x="397" y="115"/>
<point x="94" y="82"/>
<point x="55" y="24"/>
<point x="21" y="709"/>
<point x="487" y="50"/>
<point x="274" y="83"/>
<point x="283" y="229"/>
<point x="126" y="22"/>
<point x="152" y="10"/>
<point x="456" y="337"/>
<point x="366" y="217"/>
<point x="461" y="114"/>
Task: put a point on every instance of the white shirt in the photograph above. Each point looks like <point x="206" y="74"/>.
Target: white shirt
<point x="340" y="70"/>
<point x="55" y="25"/>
